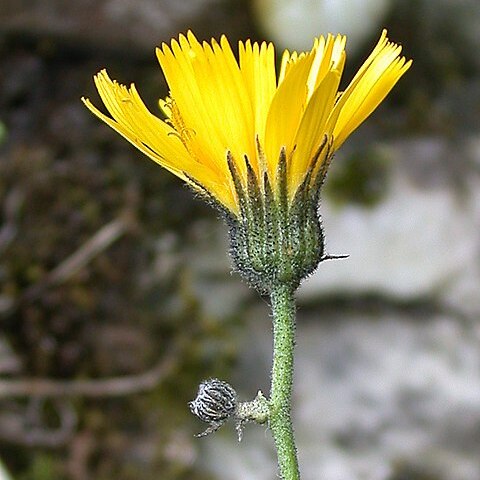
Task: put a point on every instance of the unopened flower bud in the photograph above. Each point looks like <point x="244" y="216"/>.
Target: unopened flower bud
<point x="215" y="403"/>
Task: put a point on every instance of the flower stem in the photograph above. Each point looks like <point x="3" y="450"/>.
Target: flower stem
<point x="283" y="306"/>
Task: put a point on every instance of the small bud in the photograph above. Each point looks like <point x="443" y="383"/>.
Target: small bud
<point x="215" y="403"/>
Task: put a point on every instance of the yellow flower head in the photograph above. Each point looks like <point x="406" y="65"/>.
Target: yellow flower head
<point x="224" y="114"/>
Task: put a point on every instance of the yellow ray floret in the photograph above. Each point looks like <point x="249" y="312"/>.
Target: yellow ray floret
<point x="218" y="106"/>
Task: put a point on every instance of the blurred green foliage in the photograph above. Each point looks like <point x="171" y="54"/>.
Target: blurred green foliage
<point x="361" y="177"/>
<point x="3" y="132"/>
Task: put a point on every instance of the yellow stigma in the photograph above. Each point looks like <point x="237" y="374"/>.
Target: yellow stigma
<point x="222" y="106"/>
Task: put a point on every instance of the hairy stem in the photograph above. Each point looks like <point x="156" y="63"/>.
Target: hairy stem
<point x="283" y="306"/>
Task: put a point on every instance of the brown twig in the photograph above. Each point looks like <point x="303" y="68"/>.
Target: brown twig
<point x="82" y="446"/>
<point x="99" y="242"/>
<point x="108" y="387"/>
<point x="16" y="428"/>
<point x="11" y="209"/>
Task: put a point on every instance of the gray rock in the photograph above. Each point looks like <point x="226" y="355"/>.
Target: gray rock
<point x="10" y="363"/>
<point x="294" y="24"/>
<point x="221" y="293"/>
<point x="375" y="396"/>
<point x="128" y="26"/>
<point x="421" y="241"/>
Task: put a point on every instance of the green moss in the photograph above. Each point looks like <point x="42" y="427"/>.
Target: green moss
<point x="43" y="467"/>
<point x="3" y="132"/>
<point x="361" y="178"/>
<point x="405" y="471"/>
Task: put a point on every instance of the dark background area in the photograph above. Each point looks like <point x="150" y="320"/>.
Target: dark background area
<point x="104" y="335"/>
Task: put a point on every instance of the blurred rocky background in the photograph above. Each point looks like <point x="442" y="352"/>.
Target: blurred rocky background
<point x="116" y="297"/>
